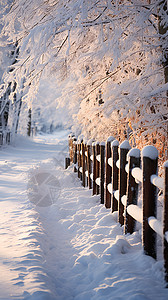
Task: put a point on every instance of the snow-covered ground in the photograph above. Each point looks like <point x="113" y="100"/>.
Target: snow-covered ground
<point x="57" y="241"/>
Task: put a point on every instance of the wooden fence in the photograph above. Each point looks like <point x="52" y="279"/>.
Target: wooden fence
<point x="114" y="171"/>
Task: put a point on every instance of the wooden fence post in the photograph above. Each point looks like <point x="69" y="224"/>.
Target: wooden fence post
<point x="123" y="150"/>
<point x="83" y="165"/>
<point x="71" y="148"/>
<point x="89" y="163"/>
<point x="80" y="140"/>
<point x="108" y="172"/>
<point x="69" y="142"/>
<point x="149" y="167"/>
<point x="67" y="162"/>
<point x="86" y="164"/>
<point x="7" y="137"/>
<point x="102" y="167"/>
<point x="132" y="189"/>
<point x="97" y="167"/>
<point x="68" y="159"/>
<point x="165" y="222"/>
<point x="78" y="158"/>
<point x="94" y="168"/>
<point x="75" y="155"/>
<point x="1" y="138"/>
<point x="115" y="172"/>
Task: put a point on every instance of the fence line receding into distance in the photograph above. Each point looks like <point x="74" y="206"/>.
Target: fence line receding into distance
<point x="114" y="172"/>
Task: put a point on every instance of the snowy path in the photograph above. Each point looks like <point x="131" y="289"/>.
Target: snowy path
<point x="72" y="249"/>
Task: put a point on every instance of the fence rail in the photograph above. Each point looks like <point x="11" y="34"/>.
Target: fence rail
<point x="115" y="171"/>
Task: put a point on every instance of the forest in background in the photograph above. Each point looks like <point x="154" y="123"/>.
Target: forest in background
<point x="106" y="63"/>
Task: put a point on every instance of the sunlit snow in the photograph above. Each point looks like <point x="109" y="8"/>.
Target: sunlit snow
<point x="71" y="249"/>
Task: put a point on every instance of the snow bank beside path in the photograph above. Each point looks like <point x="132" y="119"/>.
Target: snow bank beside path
<point x="72" y="249"/>
<point x="97" y="261"/>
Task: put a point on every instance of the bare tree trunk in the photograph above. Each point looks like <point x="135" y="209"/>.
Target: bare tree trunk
<point x="29" y="123"/>
<point x="19" y="105"/>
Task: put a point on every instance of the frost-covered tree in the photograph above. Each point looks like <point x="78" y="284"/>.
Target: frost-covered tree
<point x="135" y="90"/>
<point x="6" y="59"/>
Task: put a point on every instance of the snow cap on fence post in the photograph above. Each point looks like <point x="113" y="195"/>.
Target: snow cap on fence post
<point x="125" y="145"/>
<point x="114" y="143"/>
<point x="134" y="152"/>
<point x="149" y="167"/>
<point x="165" y="221"/>
<point x="133" y="157"/>
<point x="110" y="139"/>
<point x="115" y="172"/>
<point x="123" y="150"/>
<point x="150" y="152"/>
